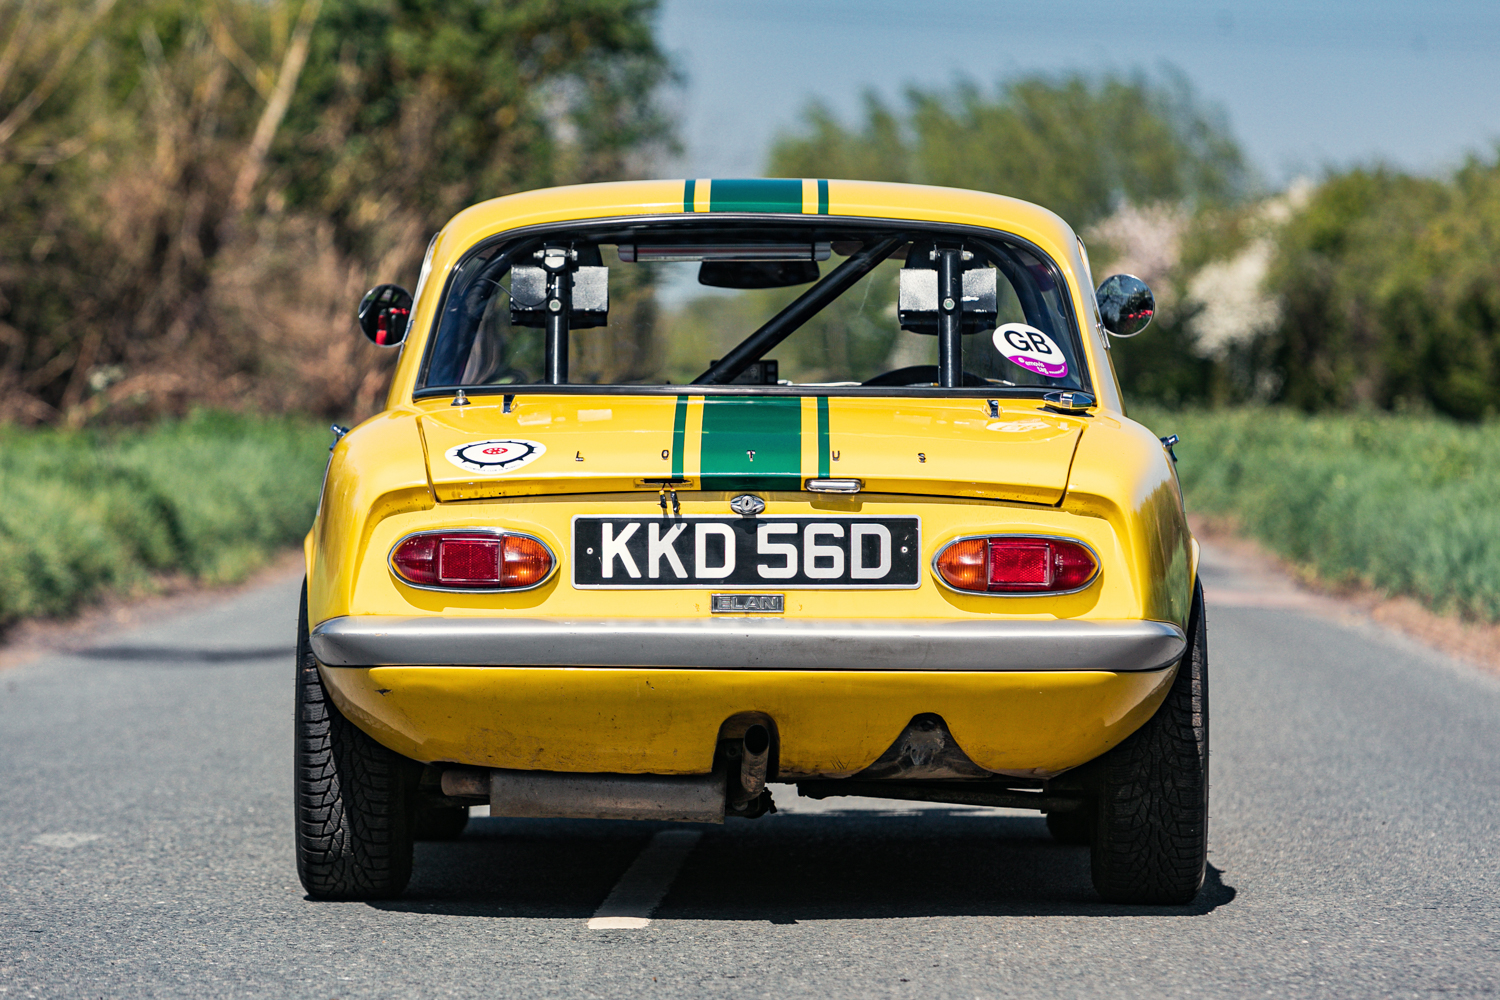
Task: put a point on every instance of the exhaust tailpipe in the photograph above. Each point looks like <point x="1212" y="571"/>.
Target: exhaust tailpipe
<point x="754" y="756"/>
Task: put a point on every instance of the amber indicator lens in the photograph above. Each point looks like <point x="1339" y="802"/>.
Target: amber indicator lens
<point x="1009" y="565"/>
<point x="470" y="560"/>
<point x="965" y="564"/>
<point x="526" y="563"/>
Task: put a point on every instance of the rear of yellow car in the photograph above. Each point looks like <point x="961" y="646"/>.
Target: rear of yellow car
<point x="971" y="583"/>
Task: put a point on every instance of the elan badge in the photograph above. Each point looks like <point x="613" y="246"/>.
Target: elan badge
<point x="1032" y="349"/>
<point x="494" y="458"/>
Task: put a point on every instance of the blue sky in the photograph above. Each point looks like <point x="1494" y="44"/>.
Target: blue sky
<point x="1304" y="85"/>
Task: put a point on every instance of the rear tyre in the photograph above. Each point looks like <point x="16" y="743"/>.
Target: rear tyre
<point x="440" y="822"/>
<point x="353" y="797"/>
<point x="1151" y="841"/>
<point x="1075" y="828"/>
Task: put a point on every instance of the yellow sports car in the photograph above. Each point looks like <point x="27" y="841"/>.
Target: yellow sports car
<point x="689" y="488"/>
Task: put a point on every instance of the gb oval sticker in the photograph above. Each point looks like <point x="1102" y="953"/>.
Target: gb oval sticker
<point x="1031" y="349"/>
<point x="493" y="458"/>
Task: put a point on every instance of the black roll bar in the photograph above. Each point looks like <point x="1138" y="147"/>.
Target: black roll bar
<point x="802" y="309"/>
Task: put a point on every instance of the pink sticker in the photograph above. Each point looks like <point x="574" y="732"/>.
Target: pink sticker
<point x="1031" y="349"/>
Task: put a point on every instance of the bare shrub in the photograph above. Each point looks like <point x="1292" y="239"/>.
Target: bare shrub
<point x="194" y="209"/>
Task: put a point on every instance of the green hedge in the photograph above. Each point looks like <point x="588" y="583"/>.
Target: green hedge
<point x="213" y="496"/>
<point x="1409" y="505"/>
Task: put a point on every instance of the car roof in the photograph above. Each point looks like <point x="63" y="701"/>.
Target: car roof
<point x="829" y="198"/>
<point x="808" y="198"/>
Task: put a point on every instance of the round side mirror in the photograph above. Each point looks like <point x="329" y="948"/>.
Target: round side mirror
<point x="1125" y="304"/>
<point x="384" y="313"/>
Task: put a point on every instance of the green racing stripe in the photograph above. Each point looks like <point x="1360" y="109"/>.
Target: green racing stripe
<point x="823" y="445"/>
<point x="754" y="195"/>
<point x="679" y="435"/>
<point x="752" y="443"/>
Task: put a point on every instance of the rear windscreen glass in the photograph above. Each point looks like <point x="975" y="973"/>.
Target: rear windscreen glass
<point x="754" y="305"/>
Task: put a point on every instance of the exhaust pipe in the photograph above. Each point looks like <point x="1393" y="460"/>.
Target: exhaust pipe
<point x="691" y="798"/>
<point x="755" y="752"/>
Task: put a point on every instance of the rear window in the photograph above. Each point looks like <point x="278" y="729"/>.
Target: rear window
<point x="782" y="307"/>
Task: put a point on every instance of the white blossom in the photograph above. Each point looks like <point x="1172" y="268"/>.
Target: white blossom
<point x="1146" y="240"/>
<point x="1234" y="304"/>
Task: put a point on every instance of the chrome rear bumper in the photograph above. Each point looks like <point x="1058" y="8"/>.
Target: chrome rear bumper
<point x="749" y="644"/>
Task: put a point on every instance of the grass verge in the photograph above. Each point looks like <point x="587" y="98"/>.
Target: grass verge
<point x="87" y="512"/>
<point x="1403" y="504"/>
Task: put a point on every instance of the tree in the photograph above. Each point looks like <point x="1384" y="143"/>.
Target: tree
<point x="197" y="191"/>
<point x="1390" y="293"/>
<point x="1077" y="145"/>
<point x="425" y="106"/>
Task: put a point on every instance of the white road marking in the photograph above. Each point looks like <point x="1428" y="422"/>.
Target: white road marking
<point x="630" y="903"/>
<point x="66" y="841"/>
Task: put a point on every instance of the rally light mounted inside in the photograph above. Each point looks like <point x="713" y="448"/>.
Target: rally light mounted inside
<point x="662" y="253"/>
<point x="473" y="559"/>
<point x="1016" y="565"/>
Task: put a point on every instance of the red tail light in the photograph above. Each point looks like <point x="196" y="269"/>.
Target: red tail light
<point x="1010" y="564"/>
<point x="472" y="560"/>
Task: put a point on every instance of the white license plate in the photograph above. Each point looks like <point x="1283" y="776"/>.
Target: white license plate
<point x="773" y="553"/>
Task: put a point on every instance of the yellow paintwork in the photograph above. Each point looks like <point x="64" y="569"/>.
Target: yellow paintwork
<point x="610" y="444"/>
<point x="1121" y="500"/>
<point x="1099" y="477"/>
<point x="829" y="723"/>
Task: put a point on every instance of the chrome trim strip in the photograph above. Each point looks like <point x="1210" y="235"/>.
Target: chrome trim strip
<point x="749" y="643"/>
<point x="938" y="576"/>
<point x="390" y="561"/>
<point x="834" y="485"/>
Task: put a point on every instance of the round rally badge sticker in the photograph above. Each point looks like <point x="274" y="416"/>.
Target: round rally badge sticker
<point x="1032" y="349"/>
<point x="493" y="458"/>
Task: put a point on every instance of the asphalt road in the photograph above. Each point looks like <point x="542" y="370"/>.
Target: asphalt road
<point x="145" y="850"/>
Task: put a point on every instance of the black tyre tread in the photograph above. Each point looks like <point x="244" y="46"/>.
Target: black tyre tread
<point x="353" y="819"/>
<point x="1151" y="841"/>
